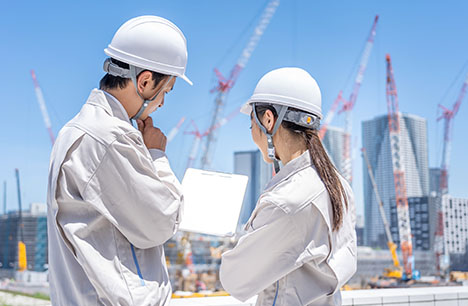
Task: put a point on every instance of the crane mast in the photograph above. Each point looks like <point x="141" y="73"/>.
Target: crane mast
<point x="398" y="171"/>
<point x="225" y="85"/>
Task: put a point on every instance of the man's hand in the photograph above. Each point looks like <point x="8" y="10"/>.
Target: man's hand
<point x="152" y="136"/>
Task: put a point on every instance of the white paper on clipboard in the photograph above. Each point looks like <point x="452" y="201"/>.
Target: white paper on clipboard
<point x="213" y="202"/>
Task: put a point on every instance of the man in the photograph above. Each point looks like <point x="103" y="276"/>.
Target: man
<point x="113" y="199"/>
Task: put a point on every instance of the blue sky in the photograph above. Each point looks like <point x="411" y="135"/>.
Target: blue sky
<point x="63" y="42"/>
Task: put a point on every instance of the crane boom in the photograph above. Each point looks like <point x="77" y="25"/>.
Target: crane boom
<point x="390" y="243"/>
<point x="225" y="85"/>
<point x="448" y="115"/>
<point x="348" y="105"/>
<point x="42" y="105"/>
<point x="398" y="171"/>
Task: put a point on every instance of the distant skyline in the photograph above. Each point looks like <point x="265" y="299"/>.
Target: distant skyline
<point x="64" y="41"/>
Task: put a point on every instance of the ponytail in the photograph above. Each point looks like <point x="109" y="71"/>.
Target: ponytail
<point x="328" y="174"/>
<point x="324" y="167"/>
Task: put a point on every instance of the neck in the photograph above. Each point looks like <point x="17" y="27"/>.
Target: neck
<point x="125" y="97"/>
<point x="288" y="147"/>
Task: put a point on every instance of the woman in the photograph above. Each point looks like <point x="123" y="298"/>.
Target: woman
<point x="300" y="246"/>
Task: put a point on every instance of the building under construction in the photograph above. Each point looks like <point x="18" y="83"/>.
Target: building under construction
<point x="34" y="224"/>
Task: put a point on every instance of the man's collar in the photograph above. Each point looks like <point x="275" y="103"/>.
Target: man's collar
<point x="117" y="108"/>
<point x="109" y="103"/>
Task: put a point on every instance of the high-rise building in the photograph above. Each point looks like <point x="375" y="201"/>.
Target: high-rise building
<point x="251" y="163"/>
<point x="34" y="237"/>
<point x="333" y="142"/>
<point x="375" y="139"/>
<point x="423" y="213"/>
<point x="455" y="211"/>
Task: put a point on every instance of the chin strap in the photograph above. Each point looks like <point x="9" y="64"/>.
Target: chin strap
<point x="271" y="147"/>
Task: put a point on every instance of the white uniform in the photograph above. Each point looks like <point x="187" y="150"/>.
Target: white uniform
<point x="112" y="203"/>
<point x="290" y="251"/>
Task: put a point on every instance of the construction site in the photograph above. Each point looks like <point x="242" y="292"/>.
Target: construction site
<point x="412" y="231"/>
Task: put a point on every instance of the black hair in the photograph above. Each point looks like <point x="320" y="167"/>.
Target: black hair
<point x="319" y="157"/>
<point x="113" y="82"/>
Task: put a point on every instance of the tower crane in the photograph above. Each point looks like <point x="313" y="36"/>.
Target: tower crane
<point x="199" y="136"/>
<point x="225" y="84"/>
<point x="42" y="105"/>
<point x="448" y="115"/>
<point x="397" y="271"/>
<point x="348" y="105"/>
<point x="399" y="172"/>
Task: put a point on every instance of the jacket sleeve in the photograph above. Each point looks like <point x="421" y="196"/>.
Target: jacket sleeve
<point x="279" y="244"/>
<point x="137" y="192"/>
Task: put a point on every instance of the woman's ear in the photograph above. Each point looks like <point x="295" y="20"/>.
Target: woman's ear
<point x="268" y="120"/>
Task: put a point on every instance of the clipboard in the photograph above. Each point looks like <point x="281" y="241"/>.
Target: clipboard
<point x="213" y="202"/>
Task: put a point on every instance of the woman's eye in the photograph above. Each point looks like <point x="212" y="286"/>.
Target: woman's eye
<point x="250" y="127"/>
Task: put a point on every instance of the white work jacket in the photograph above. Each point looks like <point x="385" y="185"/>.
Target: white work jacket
<point x="112" y="203"/>
<point x="290" y="255"/>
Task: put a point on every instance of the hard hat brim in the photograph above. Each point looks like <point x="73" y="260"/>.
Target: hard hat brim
<point x="186" y="79"/>
<point x="246" y="109"/>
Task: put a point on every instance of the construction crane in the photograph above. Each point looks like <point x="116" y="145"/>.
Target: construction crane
<point x="195" y="145"/>
<point x="22" y="261"/>
<point x="42" y="105"/>
<point x="397" y="271"/>
<point x="348" y="105"/>
<point x="448" y="115"/>
<point x="225" y="84"/>
<point x="399" y="172"/>
<point x="199" y="136"/>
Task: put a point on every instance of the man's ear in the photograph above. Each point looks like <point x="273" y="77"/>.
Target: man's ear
<point x="144" y="80"/>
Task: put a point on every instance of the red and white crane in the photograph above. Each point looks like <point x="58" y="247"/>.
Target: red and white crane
<point x="398" y="166"/>
<point x="199" y="136"/>
<point x="448" y="115"/>
<point x="225" y="84"/>
<point x="42" y="105"/>
<point x="347" y="105"/>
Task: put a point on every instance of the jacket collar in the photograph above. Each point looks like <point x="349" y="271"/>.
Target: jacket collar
<point x="295" y="165"/>
<point x="109" y="103"/>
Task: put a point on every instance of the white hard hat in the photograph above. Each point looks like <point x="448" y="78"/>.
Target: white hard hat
<point x="152" y="43"/>
<point x="289" y="86"/>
